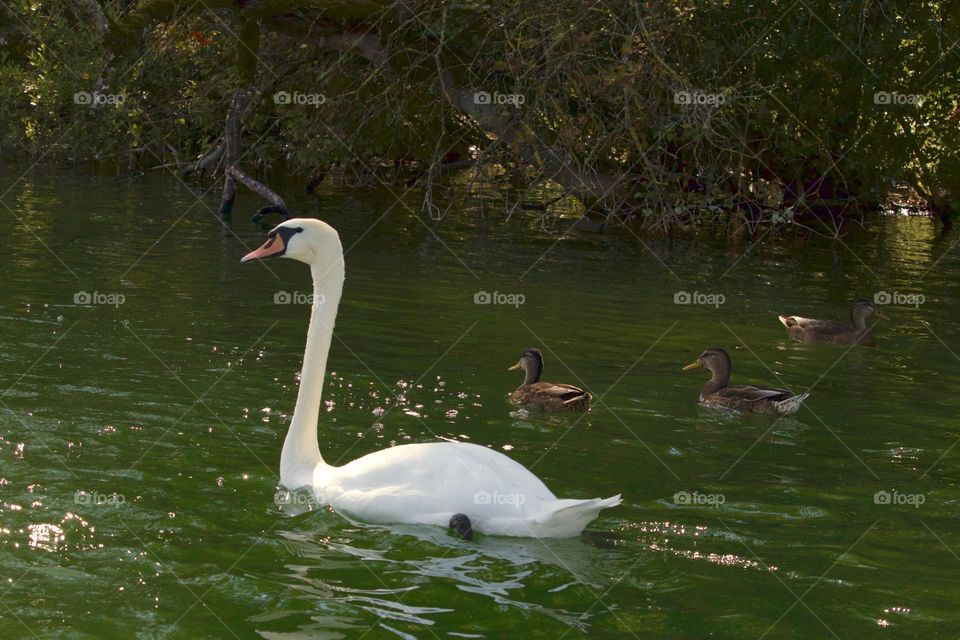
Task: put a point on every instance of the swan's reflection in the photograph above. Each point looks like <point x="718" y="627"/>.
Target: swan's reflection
<point x="400" y="559"/>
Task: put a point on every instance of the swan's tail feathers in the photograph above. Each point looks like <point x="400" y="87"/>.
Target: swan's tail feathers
<point x="570" y="517"/>
<point x="791" y="405"/>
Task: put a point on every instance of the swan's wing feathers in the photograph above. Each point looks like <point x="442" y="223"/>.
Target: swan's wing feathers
<point x="567" y="505"/>
<point x="568" y="517"/>
<point x="429" y="482"/>
<point x="441" y="467"/>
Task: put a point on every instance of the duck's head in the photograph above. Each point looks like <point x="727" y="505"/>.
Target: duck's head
<point x="531" y="361"/>
<point x="715" y="360"/>
<point x="864" y="310"/>
<point x="305" y="239"/>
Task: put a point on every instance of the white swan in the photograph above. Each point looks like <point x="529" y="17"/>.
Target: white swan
<point x="427" y="483"/>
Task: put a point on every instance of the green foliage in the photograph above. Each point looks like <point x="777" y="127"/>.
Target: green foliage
<point x="787" y="106"/>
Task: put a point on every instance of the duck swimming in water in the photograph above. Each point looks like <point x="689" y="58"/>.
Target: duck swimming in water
<point x="832" y="332"/>
<point x="546" y="396"/>
<point x="745" y="398"/>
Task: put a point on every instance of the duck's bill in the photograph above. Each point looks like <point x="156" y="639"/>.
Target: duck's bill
<point x="515" y="367"/>
<point x="692" y="365"/>
<point x="881" y="316"/>
<point x="274" y="246"/>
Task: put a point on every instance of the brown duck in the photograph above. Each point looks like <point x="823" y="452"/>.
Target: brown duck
<point x="546" y="396"/>
<point x="746" y="398"/>
<point x="832" y="332"/>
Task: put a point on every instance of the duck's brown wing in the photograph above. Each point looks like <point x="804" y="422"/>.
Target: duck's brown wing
<point x="815" y="326"/>
<point x="750" y="393"/>
<point x="554" y="390"/>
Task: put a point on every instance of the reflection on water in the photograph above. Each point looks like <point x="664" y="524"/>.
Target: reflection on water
<point x="139" y="442"/>
<point x="471" y="567"/>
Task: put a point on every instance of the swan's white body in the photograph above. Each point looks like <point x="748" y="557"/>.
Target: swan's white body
<point x="415" y="483"/>
<point x="427" y="483"/>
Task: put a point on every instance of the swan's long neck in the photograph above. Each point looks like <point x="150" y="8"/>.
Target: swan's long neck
<point x="301" y="451"/>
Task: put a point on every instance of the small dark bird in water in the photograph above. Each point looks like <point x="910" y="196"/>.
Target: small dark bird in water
<point x="461" y="524"/>
<point x="746" y="398"/>
<point x="832" y="332"/>
<point x="546" y="396"/>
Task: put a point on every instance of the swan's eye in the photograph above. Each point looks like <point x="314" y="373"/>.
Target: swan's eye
<point x="286" y="233"/>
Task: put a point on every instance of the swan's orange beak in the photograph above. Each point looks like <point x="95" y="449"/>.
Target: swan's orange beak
<point x="272" y="247"/>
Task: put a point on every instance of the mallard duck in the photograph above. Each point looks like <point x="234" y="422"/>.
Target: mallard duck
<point x="546" y="396"/>
<point x="832" y="332"/>
<point x="744" y="398"/>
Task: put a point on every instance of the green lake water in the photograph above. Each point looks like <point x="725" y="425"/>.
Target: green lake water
<point x="140" y="442"/>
